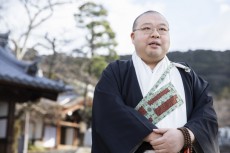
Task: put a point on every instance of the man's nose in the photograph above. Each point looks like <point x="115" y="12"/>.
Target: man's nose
<point x="155" y="33"/>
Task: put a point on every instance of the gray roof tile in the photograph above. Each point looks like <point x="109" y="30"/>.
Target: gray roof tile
<point x="13" y="73"/>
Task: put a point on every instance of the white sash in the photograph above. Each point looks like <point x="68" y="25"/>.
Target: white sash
<point x="147" y="78"/>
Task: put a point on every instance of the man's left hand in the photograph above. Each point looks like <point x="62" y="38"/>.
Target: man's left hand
<point x="172" y="141"/>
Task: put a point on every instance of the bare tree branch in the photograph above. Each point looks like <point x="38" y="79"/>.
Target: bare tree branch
<point x="40" y="44"/>
<point x="27" y="10"/>
<point x="42" y="20"/>
<point x="34" y="22"/>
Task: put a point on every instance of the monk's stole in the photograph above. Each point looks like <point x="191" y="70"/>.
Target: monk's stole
<point x="157" y="104"/>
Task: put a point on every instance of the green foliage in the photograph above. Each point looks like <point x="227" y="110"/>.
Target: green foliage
<point x="86" y="113"/>
<point x="32" y="147"/>
<point x="100" y="38"/>
<point x="211" y="65"/>
<point x="90" y="9"/>
<point x="98" y="65"/>
<point x="112" y="56"/>
<point x="225" y="94"/>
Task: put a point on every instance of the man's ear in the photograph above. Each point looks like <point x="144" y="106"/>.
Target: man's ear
<point x="132" y="35"/>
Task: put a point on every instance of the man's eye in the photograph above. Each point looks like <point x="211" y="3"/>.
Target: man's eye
<point x="146" y="28"/>
<point x="162" y="29"/>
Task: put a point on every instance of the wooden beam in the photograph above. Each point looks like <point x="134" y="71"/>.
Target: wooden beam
<point x="73" y="108"/>
<point x="69" y="124"/>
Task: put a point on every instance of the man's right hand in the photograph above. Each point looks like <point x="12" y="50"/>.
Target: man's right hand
<point x="152" y="136"/>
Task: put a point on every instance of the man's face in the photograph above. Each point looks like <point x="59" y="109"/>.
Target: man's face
<point x="151" y="45"/>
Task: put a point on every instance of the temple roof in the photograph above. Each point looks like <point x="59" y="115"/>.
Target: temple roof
<point x="18" y="79"/>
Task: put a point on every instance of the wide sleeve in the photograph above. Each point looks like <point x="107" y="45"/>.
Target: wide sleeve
<point x="202" y="119"/>
<point x="116" y="127"/>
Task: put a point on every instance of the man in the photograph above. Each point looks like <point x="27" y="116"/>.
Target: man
<point x="150" y="104"/>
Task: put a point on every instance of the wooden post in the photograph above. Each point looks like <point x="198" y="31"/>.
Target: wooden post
<point x="26" y="134"/>
<point x="10" y="127"/>
<point x="58" y="135"/>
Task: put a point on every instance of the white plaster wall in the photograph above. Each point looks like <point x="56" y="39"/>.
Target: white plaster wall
<point x="3" y="123"/>
<point x="31" y="129"/>
<point x="50" y="136"/>
<point x="3" y="108"/>
<point x="38" y="128"/>
<point x="69" y="136"/>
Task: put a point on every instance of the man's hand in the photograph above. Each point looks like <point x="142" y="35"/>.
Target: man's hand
<point x="152" y="136"/>
<point x="172" y="141"/>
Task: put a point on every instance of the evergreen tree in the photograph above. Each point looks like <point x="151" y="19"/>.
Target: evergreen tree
<point x="99" y="48"/>
<point x="100" y="38"/>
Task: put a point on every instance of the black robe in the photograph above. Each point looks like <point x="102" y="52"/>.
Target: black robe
<point x="118" y="128"/>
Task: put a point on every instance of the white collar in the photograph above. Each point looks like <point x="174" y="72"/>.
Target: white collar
<point x="146" y="76"/>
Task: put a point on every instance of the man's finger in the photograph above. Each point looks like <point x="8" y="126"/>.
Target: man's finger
<point x="158" y="147"/>
<point x="160" y="131"/>
<point x="157" y="141"/>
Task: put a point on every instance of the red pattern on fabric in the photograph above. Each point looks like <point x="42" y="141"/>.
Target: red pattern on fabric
<point x="150" y="119"/>
<point x="158" y="96"/>
<point x="166" y="105"/>
<point x="142" y="110"/>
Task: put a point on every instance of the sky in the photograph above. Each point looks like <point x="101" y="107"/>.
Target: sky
<point x="194" y="24"/>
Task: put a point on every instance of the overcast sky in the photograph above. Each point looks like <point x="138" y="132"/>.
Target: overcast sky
<point x="194" y="24"/>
